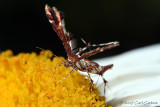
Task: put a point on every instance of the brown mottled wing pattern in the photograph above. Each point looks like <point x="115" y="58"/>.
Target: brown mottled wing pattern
<point x="56" y="19"/>
<point x="95" y="51"/>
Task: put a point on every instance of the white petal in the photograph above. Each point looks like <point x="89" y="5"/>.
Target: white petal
<point x="134" y="79"/>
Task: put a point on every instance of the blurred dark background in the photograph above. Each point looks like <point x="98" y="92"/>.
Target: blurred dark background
<point x="135" y="23"/>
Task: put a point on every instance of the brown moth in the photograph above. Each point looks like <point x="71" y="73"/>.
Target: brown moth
<point x="78" y="61"/>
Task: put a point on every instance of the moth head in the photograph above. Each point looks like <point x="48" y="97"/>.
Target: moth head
<point x="67" y="64"/>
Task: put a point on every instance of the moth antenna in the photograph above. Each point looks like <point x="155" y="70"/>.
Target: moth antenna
<point x="50" y="53"/>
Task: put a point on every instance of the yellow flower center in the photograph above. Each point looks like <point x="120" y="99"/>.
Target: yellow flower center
<point x="28" y="79"/>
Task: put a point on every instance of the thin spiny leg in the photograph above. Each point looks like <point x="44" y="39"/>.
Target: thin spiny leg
<point x="104" y="81"/>
<point x="105" y="84"/>
<point x="88" y="45"/>
<point x="104" y="69"/>
<point x="65" y="77"/>
<point x="98" y="79"/>
<point x="91" y="82"/>
<point x="58" y="65"/>
<point x="55" y="67"/>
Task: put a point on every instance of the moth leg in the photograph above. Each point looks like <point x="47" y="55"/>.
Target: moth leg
<point x="97" y="79"/>
<point x="104" y="69"/>
<point x="58" y="65"/>
<point x="88" y="45"/>
<point x="91" y="84"/>
<point x="105" y="83"/>
<point x="65" y="77"/>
